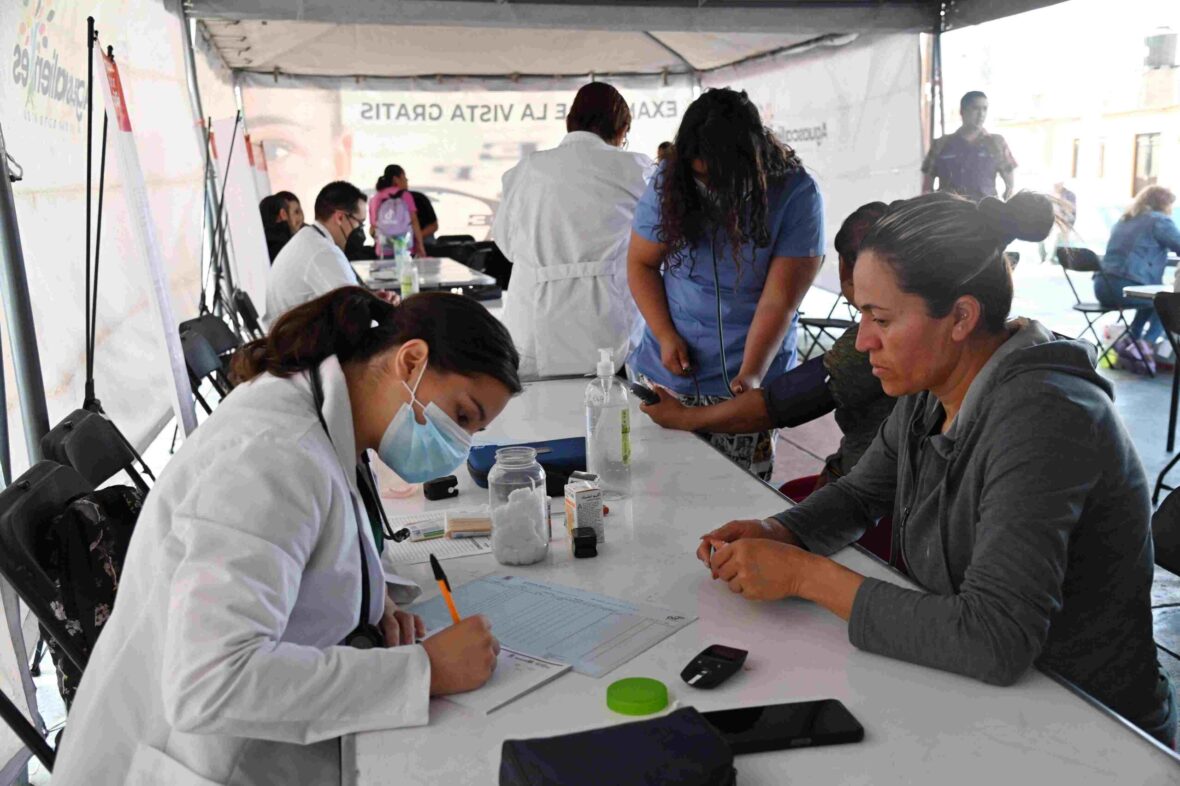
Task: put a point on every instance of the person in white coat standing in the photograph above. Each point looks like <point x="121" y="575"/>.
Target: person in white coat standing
<point x="254" y="625"/>
<point x="564" y="222"/>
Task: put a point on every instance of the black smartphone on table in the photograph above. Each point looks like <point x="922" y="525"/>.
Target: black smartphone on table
<point x="777" y="726"/>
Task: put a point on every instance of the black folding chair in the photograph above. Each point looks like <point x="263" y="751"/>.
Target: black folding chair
<point x="817" y="327"/>
<point x="1165" y="533"/>
<point x="248" y="314"/>
<point x="1083" y="260"/>
<point x="203" y="364"/>
<point x="27" y="733"/>
<point x="91" y="444"/>
<point x="219" y="335"/>
<point x="1167" y="305"/>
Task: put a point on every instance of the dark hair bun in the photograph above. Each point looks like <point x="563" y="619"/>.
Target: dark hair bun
<point x="1026" y="216"/>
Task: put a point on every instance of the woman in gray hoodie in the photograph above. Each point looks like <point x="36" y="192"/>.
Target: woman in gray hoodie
<point x="1020" y="507"/>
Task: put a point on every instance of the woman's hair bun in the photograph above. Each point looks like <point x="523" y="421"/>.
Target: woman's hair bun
<point x="1026" y="216"/>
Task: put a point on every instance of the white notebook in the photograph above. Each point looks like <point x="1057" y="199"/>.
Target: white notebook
<point x="515" y="675"/>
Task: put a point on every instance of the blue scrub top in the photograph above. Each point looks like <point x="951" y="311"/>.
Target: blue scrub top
<point x="796" y="224"/>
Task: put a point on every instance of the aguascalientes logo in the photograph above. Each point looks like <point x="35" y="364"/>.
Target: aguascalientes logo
<point x="55" y="97"/>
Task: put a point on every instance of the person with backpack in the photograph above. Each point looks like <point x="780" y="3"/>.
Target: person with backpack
<point x="255" y="625"/>
<point x="393" y="217"/>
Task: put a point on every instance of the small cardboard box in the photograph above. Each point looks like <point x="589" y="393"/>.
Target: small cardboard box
<point x="583" y="507"/>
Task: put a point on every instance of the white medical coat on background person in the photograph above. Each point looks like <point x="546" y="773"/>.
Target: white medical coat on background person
<point x="310" y="265"/>
<point x="565" y="223"/>
<point x="221" y="662"/>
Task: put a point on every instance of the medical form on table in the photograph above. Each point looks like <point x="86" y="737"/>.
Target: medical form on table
<point x="593" y="633"/>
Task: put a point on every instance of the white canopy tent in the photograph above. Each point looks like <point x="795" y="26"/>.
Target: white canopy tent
<point x="337" y="88"/>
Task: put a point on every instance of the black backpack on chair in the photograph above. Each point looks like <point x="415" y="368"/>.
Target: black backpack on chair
<point x="82" y="551"/>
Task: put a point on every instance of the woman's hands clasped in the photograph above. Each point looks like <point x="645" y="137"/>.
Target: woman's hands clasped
<point x="757" y="559"/>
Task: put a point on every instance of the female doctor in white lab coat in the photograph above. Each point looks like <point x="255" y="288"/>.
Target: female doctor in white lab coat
<point x="224" y="661"/>
<point x="564" y="221"/>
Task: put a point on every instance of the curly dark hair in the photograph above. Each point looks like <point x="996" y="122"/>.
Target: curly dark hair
<point x="742" y="158"/>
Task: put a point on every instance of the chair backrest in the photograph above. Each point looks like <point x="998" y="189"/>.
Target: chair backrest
<point x="92" y="445"/>
<point x="443" y="240"/>
<point x="1167" y="305"/>
<point x="1078" y="259"/>
<point x="247" y="312"/>
<point x="216" y="332"/>
<point x="26" y="509"/>
<point x="199" y="355"/>
<point x="1165" y="532"/>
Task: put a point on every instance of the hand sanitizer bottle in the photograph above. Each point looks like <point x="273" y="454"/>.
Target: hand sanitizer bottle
<point x="608" y="430"/>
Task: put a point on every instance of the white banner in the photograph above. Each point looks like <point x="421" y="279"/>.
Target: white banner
<point x="42" y="109"/>
<point x="144" y="226"/>
<point x="249" y="260"/>
<point x="258" y="164"/>
<point x="853" y="115"/>
<point x="454" y="145"/>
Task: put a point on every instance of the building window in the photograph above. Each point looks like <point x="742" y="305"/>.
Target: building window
<point x="1073" y="164"/>
<point x="1147" y="161"/>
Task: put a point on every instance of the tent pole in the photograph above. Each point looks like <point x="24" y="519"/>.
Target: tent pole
<point x="194" y="94"/>
<point x="936" y="103"/>
<point x="14" y="288"/>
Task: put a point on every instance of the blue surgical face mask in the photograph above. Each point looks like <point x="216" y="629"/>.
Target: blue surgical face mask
<point x="419" y="452"/>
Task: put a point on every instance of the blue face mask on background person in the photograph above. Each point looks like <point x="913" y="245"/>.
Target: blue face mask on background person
<point x="419" y="452"/>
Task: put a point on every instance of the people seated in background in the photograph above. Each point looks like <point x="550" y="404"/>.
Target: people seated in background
<point x="841" y="380"/>
<point x="427" y="218"/>
<point x="663" y="151"/>
<point x="234" y="654"/>
<point x="563" y="220"/>
<point x="312" y="263"/>
<point x="1137" y="253"/>
<point x="1019" y="505"/>
<point x="393" y="218"/>
<point x="968" y="161"/>
<point x="726" y="240"/>
<point x="282" y="217"/>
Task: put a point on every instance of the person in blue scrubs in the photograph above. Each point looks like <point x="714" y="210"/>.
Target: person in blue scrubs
<point x="725" y="242"/>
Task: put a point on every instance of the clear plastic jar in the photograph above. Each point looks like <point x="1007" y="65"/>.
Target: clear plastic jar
<point x="519" y="507"/>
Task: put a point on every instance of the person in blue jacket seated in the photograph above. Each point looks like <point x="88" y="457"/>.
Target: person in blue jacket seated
<point x="841" y="380"/>
<point x="725" y="242"/>
<point x="1019" y="504"/>
<point x="1137" y="253"/>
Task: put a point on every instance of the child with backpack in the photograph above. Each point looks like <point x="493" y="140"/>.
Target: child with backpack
<point x="393" y="217"/>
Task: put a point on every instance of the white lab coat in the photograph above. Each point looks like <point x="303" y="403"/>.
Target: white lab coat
<point x="565" y="222"/>
<point x="221" y="663"/>
<point x="309" y="265"/>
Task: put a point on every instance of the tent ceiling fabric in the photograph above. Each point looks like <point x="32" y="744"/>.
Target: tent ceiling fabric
<point x="321" y="49"/>
<point x="804" y="18"/>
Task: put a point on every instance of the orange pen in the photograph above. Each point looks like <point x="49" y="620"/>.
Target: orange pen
<point x="445" y="586"/>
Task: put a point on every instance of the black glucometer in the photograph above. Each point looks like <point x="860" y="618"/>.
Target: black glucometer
<point x="644" y="393"/>
<point x="441" y="488"/>
<point x="713" y="666"/>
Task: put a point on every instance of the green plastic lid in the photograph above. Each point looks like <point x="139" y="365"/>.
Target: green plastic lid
<point x="637" y="696"/>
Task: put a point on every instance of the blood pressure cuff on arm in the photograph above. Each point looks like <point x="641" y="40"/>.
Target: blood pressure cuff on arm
<point x="800" y="395"/>
<point x="681" y="748"/>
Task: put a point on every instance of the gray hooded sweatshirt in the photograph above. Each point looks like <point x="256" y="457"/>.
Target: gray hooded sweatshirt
<point x="1027" y="525"/>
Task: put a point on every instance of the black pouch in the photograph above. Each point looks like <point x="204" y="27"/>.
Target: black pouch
<point x="680" y="748"/>
<point x="558" y="457"/>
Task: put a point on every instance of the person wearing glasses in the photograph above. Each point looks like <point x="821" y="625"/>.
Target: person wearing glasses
<point x="564" y="221"/>
<point x="312" y="263"/>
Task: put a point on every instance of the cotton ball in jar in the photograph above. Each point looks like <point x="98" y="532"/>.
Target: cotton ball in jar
<point x="517" y="529"/>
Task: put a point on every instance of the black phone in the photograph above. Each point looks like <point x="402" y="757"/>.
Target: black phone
<point x="644" y="393"/>
<point x="778" y="726"/>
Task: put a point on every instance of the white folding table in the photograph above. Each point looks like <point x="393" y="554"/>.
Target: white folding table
<point x="922" y="726"/>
